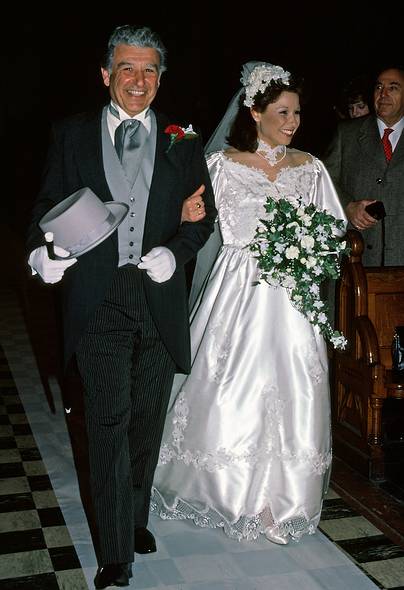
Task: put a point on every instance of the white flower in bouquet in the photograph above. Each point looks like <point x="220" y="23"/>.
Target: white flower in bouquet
<point x="307" y="242"/>
<point x="297" y="247"/>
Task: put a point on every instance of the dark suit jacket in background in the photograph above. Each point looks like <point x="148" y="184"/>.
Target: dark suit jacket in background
<point x="75" y="161"/>
<point x="356" y="162"/>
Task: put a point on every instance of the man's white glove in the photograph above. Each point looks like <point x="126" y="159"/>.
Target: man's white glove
<point x="159" y="264"/>
<point x="50" y="271"/>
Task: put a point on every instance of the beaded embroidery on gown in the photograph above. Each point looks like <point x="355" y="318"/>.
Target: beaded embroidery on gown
<point x="247" y="443"/>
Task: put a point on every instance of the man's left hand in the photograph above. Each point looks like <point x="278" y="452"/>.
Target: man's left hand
<point x="358" y="216"/>
<point x="193" y="208"/>
<point x="159" y="264"/>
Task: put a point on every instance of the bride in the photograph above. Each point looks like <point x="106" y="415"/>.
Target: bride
<point x="247" y="441"/>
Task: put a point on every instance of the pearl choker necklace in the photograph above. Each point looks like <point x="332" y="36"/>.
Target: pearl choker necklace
<point x="270" y="154"/>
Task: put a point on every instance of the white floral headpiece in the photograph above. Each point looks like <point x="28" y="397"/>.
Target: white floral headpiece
<point x="258" y="79"/>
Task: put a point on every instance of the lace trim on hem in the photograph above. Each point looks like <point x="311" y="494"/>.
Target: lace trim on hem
<point x="247" y="527"/>
<point x="317" y="462"/>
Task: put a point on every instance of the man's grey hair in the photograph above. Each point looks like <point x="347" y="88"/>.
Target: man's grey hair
<point x="130" y="35"/>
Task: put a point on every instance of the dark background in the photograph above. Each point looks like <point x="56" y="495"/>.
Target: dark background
<point x="52" y="69"/>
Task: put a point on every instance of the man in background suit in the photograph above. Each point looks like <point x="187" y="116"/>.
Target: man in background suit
<point x="363" y="173"/>
<point x="125" y="301"/>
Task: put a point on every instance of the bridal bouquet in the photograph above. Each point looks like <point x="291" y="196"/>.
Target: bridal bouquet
<point x="298" y="247"/>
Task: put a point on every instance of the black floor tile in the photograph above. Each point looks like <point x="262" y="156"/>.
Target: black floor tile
<point x="64" y="558"/>
<point x="11" y="470"/>
<point x="375" y="548"/>
<point x="337" y="508"/>
<point x="40" y="582"/>
<point x="51" y="517"/>
<point x="14" y="502"/>
<point x="7" y="442"/>
<point x="30" y="455"/>
<point x="39" y="482"/>
<point x="28" y="540"/>
<point x="21" y="429"/>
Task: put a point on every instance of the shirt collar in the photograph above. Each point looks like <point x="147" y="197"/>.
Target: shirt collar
<point x="399" y="126"/>
<point x="114" y="121"/>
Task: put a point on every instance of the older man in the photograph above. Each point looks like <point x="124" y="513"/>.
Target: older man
<point x="366" y="162"/>
<point x="125" y="301"/>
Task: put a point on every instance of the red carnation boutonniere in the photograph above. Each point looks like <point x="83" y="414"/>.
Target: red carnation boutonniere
<point x="177" y="133"/>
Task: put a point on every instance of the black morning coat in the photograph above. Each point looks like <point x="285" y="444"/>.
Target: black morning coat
<point x="75" y="161"/>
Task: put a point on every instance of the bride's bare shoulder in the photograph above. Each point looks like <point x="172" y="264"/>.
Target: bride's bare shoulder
<point x="238" y="156"/>
<point x="299" y="158"/>
<point x="232" y="152"/>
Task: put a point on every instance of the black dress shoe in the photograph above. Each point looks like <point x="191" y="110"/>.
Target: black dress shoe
<point x="144" y="541"/>
<point x="113" y="574"/>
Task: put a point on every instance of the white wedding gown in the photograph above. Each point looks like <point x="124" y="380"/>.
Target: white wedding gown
<point x="247" y="441"/>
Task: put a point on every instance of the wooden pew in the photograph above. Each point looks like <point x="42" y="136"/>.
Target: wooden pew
<point x="369" y="304"/>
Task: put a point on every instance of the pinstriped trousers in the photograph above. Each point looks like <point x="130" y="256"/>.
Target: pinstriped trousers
<point x="127" y="375"/>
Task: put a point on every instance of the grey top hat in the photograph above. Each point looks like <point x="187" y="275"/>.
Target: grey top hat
<point x="82" y="221"/>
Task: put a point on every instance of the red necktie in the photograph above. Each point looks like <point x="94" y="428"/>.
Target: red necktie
<point x="388" y="150"/>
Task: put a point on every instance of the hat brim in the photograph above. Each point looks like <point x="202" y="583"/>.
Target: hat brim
<point x="119" y="211"/>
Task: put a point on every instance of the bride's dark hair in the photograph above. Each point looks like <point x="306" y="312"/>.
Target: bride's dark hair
<point x="243" y="132"/>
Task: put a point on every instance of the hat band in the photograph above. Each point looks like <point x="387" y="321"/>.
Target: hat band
<point x="93" y="235"/>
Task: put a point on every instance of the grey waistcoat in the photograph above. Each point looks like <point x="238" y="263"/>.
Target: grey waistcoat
<point x="136" y="195"/>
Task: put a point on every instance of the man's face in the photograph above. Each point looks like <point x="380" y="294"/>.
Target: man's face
<point x="389" y="96"/>
<point x="134" y="79"/>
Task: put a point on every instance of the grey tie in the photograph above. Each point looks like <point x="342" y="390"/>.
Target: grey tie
<point x="125" y="142"/>
<point x="130" y="138"/>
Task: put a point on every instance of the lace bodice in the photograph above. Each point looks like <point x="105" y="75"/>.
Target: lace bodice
<point x="241" y="192"/>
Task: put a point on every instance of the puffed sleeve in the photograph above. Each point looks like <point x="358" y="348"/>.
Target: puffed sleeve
<point x="208" y="254"/>
<point x="324" y="194"/>
<point x="216" y="173"/>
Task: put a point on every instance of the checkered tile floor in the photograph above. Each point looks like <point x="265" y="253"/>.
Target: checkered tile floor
<point x="36" y="547"/>
<point x="44" y="538"/>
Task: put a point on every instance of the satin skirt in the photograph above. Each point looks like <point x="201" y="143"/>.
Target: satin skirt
<point x="247" y="443"/>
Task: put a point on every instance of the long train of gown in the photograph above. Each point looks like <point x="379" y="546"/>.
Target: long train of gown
<point x="247" y="442"/>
